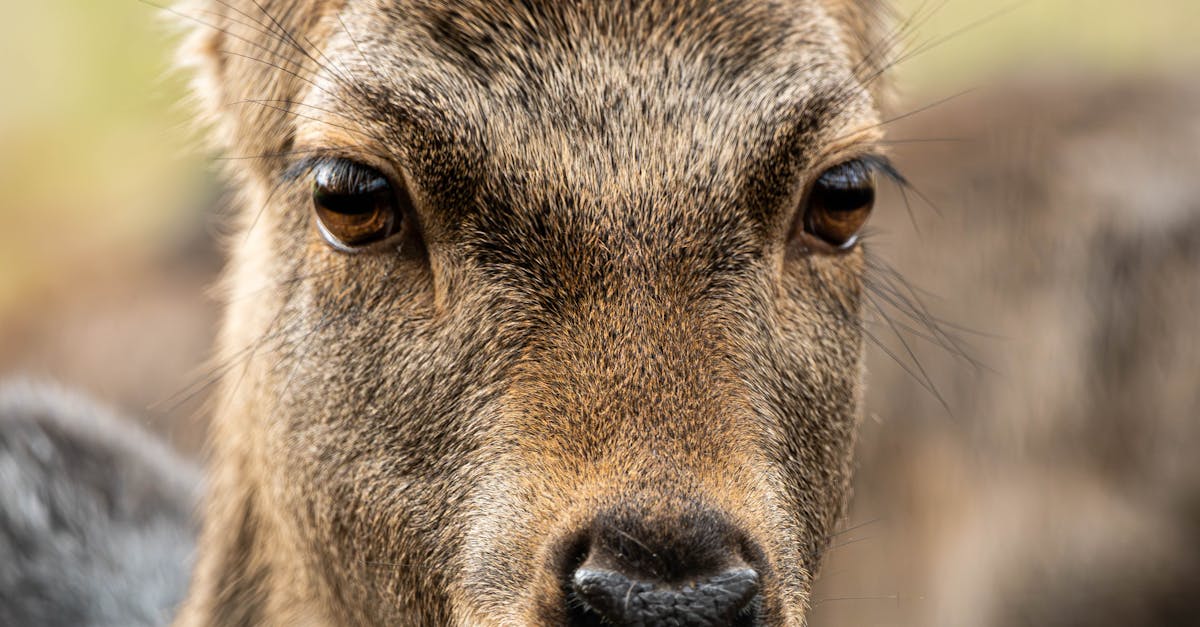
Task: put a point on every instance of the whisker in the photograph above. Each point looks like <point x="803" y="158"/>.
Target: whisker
<point x="283" y="59"/>
<point x="282" y="63"/>
<point x="276" y="102"/>
<point x="296" y="44"/>
<point x="855" y="527"/>
<point x="366" y="62"/>
<point x="267" y="103"/>
<point x="869" y="597"/>
<point x="896" y="358"/>
<point x="926" y="140"/>
<point x="917" y="111"/>
<point x="1001" y="12"/>
<point x="215" y="372"/>
<point x="273" y="155"/>
<point x="289" y="72"/>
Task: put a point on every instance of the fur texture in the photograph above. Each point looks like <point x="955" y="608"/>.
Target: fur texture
<point x="95" y="516"/>
<point x="598" y="307"/>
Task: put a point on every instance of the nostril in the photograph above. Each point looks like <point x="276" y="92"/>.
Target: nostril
<point x="721" y="599"/>
<point x="689" y="568"/>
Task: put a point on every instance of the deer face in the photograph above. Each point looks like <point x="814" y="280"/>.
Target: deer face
<point x="542" y="312"/>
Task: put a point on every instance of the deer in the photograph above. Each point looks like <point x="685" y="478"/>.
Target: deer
<point x="537" y="312"/>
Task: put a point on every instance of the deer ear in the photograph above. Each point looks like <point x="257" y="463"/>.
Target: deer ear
<point x="199" y="55"/>
<point x="247" y="57"/>
<point x="868" y="30"/>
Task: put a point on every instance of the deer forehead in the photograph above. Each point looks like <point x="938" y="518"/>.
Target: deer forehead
<point x="587" y="92"/>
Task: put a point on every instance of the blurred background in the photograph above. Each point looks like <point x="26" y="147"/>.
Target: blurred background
<point x="1035" y="363"/>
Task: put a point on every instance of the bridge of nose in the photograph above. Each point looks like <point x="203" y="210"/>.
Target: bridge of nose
<point x="620" y="407"/>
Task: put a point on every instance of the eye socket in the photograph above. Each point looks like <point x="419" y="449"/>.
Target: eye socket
<point x="839" y="203"/>
<point x="355" y="204"/>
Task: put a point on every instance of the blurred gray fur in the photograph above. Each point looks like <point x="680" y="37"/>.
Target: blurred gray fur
<point x="95" y="515"/>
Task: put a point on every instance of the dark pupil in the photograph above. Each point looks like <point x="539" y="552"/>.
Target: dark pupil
<point x="351" y="204"/>
<point x="355" y="204"/>
<point x="844" y="189"/>
<point x="353" y="193"/>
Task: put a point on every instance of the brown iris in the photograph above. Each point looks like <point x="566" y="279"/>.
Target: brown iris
<point x="355" y="204"/>
<point x="839" y="203"/>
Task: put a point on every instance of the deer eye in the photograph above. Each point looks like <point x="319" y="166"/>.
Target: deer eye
<point x="355" y="204"/>
<point x="839" y="202"/>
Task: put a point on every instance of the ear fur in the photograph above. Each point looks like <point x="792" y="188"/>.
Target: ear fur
<point x="868" y="28"/>
<point x="248" y="59"/>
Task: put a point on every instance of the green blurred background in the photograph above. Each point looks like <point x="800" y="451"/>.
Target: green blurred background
<point x="94" y="150"/>
<point x="98" y="162"/>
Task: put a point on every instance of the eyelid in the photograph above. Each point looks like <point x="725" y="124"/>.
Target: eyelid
<point x="847" y="174"/>
<point x="304" y="166"/>
<point x="880" y="164"/>
<point x="307" y="165"/>
<point x="348" y="177"/>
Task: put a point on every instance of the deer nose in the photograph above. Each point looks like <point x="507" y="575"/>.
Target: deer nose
<point x="689" y="571"/>
<point x="716" y="600"/>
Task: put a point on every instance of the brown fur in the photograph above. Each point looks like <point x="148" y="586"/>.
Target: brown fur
<point x="605" y="316"/>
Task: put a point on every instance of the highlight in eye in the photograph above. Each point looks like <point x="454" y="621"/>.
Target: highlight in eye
<point x="355" y="204"/>
<point x="840" y="200"/>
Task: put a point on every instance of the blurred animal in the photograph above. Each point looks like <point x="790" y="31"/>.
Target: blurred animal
<point x="1061" y="487"/>
<point x="95" y="516"/>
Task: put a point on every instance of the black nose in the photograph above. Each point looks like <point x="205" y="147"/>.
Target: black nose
<point x="715" y="600"/>
<point x="682" y="571"/>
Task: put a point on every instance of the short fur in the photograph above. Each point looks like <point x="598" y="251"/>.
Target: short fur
<point x="604" y="312"/>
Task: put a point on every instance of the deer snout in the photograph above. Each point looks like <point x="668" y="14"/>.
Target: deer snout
<point x="684" y="571"/>
<point x="716" y="600"/>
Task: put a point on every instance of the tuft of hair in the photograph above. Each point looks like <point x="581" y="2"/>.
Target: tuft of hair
<point x="876" y="37"/>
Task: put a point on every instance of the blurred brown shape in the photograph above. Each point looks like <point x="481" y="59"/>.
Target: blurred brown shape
<point x="1059" y="485"/>
<point x="134" y="332"/>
